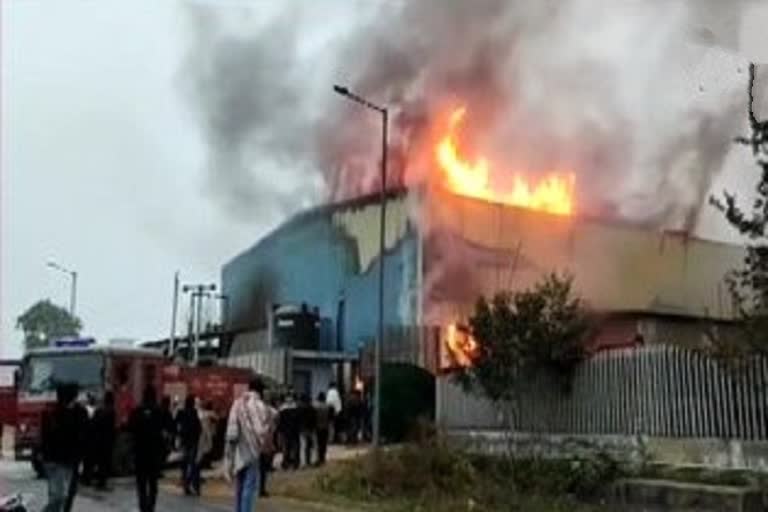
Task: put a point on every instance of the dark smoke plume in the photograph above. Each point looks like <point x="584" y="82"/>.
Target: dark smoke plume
<point x="600" y="87"/>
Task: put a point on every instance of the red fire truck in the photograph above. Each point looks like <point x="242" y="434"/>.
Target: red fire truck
<point x="125" y="372"/>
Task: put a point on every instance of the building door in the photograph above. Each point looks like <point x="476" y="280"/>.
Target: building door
<point x="302" y="382"/>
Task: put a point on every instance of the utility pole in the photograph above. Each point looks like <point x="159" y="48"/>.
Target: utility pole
<point x="196" y="298"/>
<point x="174" y="312"/>
<point x="378" y="350"/>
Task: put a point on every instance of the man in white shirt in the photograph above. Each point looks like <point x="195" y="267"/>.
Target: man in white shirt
<point x="333" y="399"/>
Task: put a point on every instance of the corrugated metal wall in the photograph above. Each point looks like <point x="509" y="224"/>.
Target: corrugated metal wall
<point x="658" y="391"/>
<point x="411" y="344"/>
<point x="271" y="363"/>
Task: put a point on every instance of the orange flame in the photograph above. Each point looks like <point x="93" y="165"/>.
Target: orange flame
<point x="461" y="346"/>
<point x="553" y="194"/>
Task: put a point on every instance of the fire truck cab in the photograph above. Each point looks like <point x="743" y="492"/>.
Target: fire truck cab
<point x="96" y="370"/>
<point x="126" y="372"/>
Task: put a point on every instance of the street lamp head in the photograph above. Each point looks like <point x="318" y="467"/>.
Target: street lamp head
<point x="341" y="90"/>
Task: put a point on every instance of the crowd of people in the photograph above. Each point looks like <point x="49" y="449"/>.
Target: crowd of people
<point x="78" y="440"/>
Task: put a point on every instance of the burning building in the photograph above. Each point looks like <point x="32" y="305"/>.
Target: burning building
<point x="467" y="228"/>
<point x="444" y="249"/>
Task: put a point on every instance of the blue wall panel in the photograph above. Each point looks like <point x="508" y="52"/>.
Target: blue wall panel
<point x="310" y="260"/>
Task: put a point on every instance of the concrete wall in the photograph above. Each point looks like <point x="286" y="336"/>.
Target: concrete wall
<point x="327" y="255"/>
<point x="712" y="453"/>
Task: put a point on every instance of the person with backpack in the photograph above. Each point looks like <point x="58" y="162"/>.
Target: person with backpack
<point x="62" y="441"/>
<point x="146" y="425"/>
<point x="247" y="431"/>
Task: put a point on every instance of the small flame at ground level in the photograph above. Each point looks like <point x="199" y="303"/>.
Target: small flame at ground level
<point x="553" y="193"/>
<point x="460" y="345"/>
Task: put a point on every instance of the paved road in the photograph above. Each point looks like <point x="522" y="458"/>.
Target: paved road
<point x="17" y="477"/>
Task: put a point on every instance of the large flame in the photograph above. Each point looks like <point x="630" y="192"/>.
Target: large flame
<point x="460" y="346"/>
<point x="553" y="193"/>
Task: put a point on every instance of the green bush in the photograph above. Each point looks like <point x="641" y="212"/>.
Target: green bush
<point x="430" y="471"/>
<point x="429" y="468"/>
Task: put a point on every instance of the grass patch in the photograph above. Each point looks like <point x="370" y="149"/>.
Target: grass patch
<point x="430" y="477"/>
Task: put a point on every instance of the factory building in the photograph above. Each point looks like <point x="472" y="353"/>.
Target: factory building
<point x="443" y="251"/>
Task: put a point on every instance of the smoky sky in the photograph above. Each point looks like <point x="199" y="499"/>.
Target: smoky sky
<point x="141" y="138"/>
<point x="605" y="89"/>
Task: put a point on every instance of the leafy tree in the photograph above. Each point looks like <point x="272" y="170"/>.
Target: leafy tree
<point x="45" y="321"/>
<point x="523" y="334"/>
<point x="749" y="283"/>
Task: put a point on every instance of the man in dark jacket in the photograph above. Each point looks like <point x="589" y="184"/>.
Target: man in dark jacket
<point x="190" y="429"/>
<point x="323" y="415"/>
<point x="289" y="427"/>
<point x="104" y="438"/>
<point x="146" y="425"/>
<point x="62" y="447"/>
<point x="308" y="420"/>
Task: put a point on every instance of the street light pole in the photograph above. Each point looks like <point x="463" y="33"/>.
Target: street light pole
<point x="378" y="344"/>
<point x="72" y="286"/>
<point x="73" y="294"/>
<point x="174" y="312"/>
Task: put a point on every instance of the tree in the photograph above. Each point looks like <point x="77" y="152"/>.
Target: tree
<point x="45" y="321"/>
<point x="521" y="335"/>
<point x="749" y="283"/>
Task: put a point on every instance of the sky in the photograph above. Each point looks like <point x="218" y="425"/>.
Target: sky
<point x="103" y="166"/>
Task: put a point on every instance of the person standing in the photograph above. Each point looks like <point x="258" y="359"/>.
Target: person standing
<point x="207" y="431"/>
<point x="146" y="425"/>
<point x="333" y="399"/>
<point x="308" y="426"/>
<point x="169" y="428"/>
<point x="323" y="423"/>
<point x="104" y="439"/>
<point x="190" y="430"/>
<point x="354" y="417"/>
<point x="91" y="450"/>
<point x="247" y="431"/>
<point x="63" y="433"/>
<point x="289" y="425"/>
<point x="268" y="450"/>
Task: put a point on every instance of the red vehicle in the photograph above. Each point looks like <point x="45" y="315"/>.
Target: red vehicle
<point x="125" y="372"/>
<point x="8" y="396"/>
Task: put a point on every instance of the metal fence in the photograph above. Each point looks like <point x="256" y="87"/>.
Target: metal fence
<point x="405" y="344"/>
<point x="658" y="391"/>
